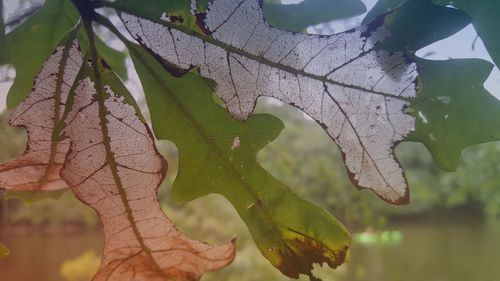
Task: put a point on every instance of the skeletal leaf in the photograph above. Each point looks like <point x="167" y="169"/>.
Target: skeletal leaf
<point x="358" y="94"/>
<point x="114" y="167"/>
<point x="220" y="157"/>
<point x="38" y="168"/>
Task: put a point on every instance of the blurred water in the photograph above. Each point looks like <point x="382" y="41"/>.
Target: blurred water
<point x="458" y="250"/>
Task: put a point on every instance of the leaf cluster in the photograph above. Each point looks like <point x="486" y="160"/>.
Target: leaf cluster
<point x="441" y="104"/>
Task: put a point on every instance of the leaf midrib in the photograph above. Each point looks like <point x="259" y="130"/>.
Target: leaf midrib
<point x="215" y="148"/>
<point x="231" y="49"/>
<point x="100" y="98"/>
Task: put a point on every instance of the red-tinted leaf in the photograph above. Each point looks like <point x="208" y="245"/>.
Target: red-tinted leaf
<point x="38" y="168"/>
<point x="114" y="167"/>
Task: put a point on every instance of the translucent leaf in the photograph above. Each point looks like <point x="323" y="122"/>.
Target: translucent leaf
<point x="114" y="167"/>
<point x="358" y="94"/>
<point x="40" y="113"/>
<point x="220" y="157"/>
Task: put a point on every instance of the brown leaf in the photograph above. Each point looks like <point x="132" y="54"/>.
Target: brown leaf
<point x="114" y="167"/>
<point x="38" y="168"/>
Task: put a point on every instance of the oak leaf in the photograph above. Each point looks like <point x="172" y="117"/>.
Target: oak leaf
<point x="357" y="93"/>
<point x="40" y="113"/>
<point x="114" y="167"/>
<point x="84" y="132"/>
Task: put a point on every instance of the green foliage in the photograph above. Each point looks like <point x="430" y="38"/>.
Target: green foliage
<point x="307" y="161"/>
<point x="222" y="156"/>
<point x="115" y="58"/>
<point x="486" y="21"/>
<point x="32" y="197"/>
<point x="297" y="17"/>
<point x="383" y="7"/>
<point x="455" y="111"/>
<point x="3" y="46"/>
<point x="30" y="44"/>
<point x="65" y="209"/>
<point x="452" y="109"/>
<point x="218" y="154"/>
<point x="13" y="140"/>
<point x="418" y="23"/>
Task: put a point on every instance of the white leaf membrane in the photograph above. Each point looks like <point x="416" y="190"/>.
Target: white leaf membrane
<point x="38" y="168"/>
<point x="358" y="94"/>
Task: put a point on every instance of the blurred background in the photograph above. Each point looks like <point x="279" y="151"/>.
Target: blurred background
<point x="448" y="232"/>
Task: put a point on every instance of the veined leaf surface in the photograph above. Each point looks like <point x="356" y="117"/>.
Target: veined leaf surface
<point x="356" y="93"/>
<point x="291" y="233"/>
<point x="40" y="113"/>
<point x="114" y="167"/>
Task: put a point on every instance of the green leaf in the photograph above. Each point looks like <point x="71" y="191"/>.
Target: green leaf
<point x="115" y="59"/>
<point x="4" y="251"/>
<point x="446" y="88"/>
<point x="418" y="23"/>
<point x="181" y="10"/>
<point x="320" y="75"/>
<point x="297" y="17"/>
<point x="3" y="44"/>
<point x="218" y="155"/>
<point x="486" y="20"/>
<point x="30" y="44"/>
<point x="383" y="7"/>
<point x="453" y="110"/>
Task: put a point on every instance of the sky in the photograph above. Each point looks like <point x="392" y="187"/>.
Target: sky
<point x="456" y="46"/>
